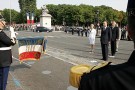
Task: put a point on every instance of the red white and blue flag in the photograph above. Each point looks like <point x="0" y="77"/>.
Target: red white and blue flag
<point x="31" y="48"/>
<point x="28" y="18"/>
<point x="32" y="18"/>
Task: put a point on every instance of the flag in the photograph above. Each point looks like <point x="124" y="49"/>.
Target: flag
<point x="31" y="48"/>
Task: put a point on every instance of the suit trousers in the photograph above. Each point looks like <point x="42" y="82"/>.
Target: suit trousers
<point x="104" y="51"/>
<point x="113" y="48"/>
<point x="3" y="77"/>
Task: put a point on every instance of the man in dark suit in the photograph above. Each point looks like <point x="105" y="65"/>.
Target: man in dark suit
<point x="105" y="40"/>
<point x="5" y="56"/>
<point x="115" y="37"/>
<point x="115" y="77"/>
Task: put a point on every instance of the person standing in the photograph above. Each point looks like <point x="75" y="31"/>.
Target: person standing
<point x="92" y="36"/>
<point x="105" y="40"/>
<point x="86" y="31"/>
<point x="72" y="30"/>
<point x="82" y="31"/>
<point x="5" y="56"/>
<point x="119" y="37"/>
<point x="78" y="31"/>
<point x="115" y="37"/>
<point x="98" y="30"/>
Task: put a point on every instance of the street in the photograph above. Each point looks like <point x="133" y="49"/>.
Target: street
<point x="64" y="51"/>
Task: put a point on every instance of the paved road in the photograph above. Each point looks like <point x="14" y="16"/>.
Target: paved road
<point x="63" y="52"/>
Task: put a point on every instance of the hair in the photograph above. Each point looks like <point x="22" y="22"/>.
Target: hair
<point x="105" y="21"/>
<point x="93" y="25"/>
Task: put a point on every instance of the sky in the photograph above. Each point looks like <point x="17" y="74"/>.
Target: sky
<point x="116" y="4"/>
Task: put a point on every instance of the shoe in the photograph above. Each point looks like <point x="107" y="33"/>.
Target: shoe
<point x="103" y="59"/>
<point x="90" y="52"/>
<point x="112" y="56"/>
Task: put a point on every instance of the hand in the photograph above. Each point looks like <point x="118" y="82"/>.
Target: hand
<point x="13" y="33"/>
<point x="13" y="40"/>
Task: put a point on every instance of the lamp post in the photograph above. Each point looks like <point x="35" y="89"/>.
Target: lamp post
<point x="97" y="21"/>
<point x="10" y="12"/>
<point x="97" y="16"/>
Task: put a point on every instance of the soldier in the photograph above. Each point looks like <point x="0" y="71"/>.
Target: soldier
<point x="5" y="55"/>
<point x="114" y="77"/>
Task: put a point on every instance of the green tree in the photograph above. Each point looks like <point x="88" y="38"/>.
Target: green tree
<point x="14" y="15"/>
<point x="84" y="14"/>
<point x="27" y="6"/>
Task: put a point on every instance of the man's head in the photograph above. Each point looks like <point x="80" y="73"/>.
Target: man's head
<point x="105" y="23"/>
<point x="117" y="25"/>
<point x="113" y="23"/>
<point x="2" y="24"/>
<point x="92" y="26"/>
<point x="131" y="18"/>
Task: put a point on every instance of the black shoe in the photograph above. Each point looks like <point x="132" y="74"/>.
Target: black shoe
<point x="103" y="59"/>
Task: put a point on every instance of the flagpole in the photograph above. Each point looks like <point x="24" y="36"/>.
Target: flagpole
<point x="10" y="12"/>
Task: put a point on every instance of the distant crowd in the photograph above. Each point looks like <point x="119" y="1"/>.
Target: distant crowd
<point x="83" y="31"/>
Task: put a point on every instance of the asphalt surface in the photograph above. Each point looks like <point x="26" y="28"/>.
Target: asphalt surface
<point x="64" y="51"/>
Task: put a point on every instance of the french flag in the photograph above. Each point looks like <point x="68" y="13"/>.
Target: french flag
<point x="28" y="18"/>
<point x="32" y="18"/>
<point x="31" y="48"/>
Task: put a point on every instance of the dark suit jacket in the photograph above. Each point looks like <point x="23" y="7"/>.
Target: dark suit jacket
<point x="105" y="35"/>
<point x="111" y="77"/>
<point x="115" y="33"/>
<point x="5" y="55"/>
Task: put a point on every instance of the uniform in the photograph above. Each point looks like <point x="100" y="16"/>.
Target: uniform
<point x="5" y="58"/>
<point x="111" y="77"/>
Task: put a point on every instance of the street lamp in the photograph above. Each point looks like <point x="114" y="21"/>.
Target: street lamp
<point x="97" y="21"/>
<point x="10" y="12"/>
<point x="97" y="16"/>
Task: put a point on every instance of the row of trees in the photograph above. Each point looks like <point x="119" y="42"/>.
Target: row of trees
<point x="85" y="14"/>
<point x="67" y="14"/>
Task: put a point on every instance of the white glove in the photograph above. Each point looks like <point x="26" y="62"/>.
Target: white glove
<point x="13" y="35"/>
<point x="13" y="40"/>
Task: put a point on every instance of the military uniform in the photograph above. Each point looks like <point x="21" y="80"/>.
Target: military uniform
<point x="5" y="58"/>
<point x="111" y="77"/>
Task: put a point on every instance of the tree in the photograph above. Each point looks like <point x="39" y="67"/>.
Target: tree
<point x="27" y="6"/>
<point x="84" y="14"/>
<point x="14" y="15"/>
<point x="37" y="15"/>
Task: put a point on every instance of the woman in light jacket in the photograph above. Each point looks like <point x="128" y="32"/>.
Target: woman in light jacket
<point x="92" y="36"/>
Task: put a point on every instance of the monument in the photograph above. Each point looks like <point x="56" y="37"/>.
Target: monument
<point x="45" y="18"/>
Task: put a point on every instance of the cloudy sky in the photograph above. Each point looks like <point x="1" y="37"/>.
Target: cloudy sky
<point x="116" y="4"/>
